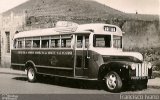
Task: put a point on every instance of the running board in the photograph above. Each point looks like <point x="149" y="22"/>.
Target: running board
<point x="76" y="77"/>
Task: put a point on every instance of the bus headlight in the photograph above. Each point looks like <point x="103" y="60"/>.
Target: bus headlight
<point x="133" y="66"/>
<point x="149" y="65"/>
<point x="125" y="66"/>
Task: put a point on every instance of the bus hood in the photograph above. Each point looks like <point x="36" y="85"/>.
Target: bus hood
<point x="136" y="55"/>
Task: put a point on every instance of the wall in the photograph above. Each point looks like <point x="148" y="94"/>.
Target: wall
<point x="11" y="24"/>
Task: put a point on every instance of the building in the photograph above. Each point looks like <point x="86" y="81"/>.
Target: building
<point x="9" y="25"/>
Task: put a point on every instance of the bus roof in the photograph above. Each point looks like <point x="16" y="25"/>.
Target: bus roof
<point x="84" y="28"/>
<point x="38" y="32"/>
<point x="99" y="28"/>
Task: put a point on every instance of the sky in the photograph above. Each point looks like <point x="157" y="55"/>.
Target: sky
<point x="133" y="6"/>
<point x="9" y="4"/>
<point x="127" y="6"/>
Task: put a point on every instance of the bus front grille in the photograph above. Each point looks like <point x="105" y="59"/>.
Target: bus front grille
<point x="141" y="69"/>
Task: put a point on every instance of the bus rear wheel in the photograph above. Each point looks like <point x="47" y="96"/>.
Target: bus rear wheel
<point x="31" y="74"/>
<point x="113" y="82"/>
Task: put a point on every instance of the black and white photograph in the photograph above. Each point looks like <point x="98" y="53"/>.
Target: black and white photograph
<point x="79" y="50"/>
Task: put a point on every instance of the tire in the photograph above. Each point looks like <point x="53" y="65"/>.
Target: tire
<point x="113" y="82"/>
<point x="31" y="74"/>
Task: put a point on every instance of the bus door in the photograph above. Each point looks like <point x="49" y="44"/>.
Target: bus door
<point x="81" y="61"/>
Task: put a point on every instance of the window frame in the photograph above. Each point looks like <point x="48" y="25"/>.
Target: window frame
<point x="94" y="41"/>
<point x="22" y="42"/>
<point x="117" y="42"/>
<point x="49" y="39"/>
<point x="66" y="37"/>
<point x="45" y="38"/>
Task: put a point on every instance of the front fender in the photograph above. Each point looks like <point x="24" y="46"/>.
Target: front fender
<point x="118" y="67"/>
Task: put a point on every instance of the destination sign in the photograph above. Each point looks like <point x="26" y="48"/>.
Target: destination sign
<point x="110" y="28"/>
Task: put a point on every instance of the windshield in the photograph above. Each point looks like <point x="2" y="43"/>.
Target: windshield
<point x="102" y="41"/>
<point x="117" y="41"/>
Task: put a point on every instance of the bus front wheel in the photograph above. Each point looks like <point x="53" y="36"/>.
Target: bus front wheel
<point x="31" y="74"/>
<point x="113" y="82"/>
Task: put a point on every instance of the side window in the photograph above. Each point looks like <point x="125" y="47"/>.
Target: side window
<point x="28" y="43"/>
<point x="117" y="41"/>
<point x="66" y="41"/>
<point x="82" y="41"/>
<point x="102" y="41"/>
<point x="45" y="44"/>
<point x="86" y="41"/>
<point x="36" y="43"/>
<point x="55" y="42"/>
<point x="79" y="41"/>
<point x="20" y="43"/>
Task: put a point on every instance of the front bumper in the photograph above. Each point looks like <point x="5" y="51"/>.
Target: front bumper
<point x="141" y="78"/>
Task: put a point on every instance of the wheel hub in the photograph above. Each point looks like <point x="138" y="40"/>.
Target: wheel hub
<point x="111" y="81"/>
<point x="31" y="74"/>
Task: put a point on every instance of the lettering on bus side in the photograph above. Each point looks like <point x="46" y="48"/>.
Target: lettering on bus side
<point x="46" y="52"/>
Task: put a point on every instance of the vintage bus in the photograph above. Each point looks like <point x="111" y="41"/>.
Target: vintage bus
<point x="87" y="51"/>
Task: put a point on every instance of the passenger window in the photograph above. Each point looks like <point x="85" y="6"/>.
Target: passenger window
<point x="66" y="41"/>
<point x="45" y="44"/>
<point x="36" y="43"/>
<point x="28" y="43"/>
<point x="20" y="43"/>
<point x="55" y="43"/>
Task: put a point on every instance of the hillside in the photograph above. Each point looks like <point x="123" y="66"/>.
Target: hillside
<point x="75" y="8"/>
<point x="144" y="17"/>
<point x="80" y="8"/>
